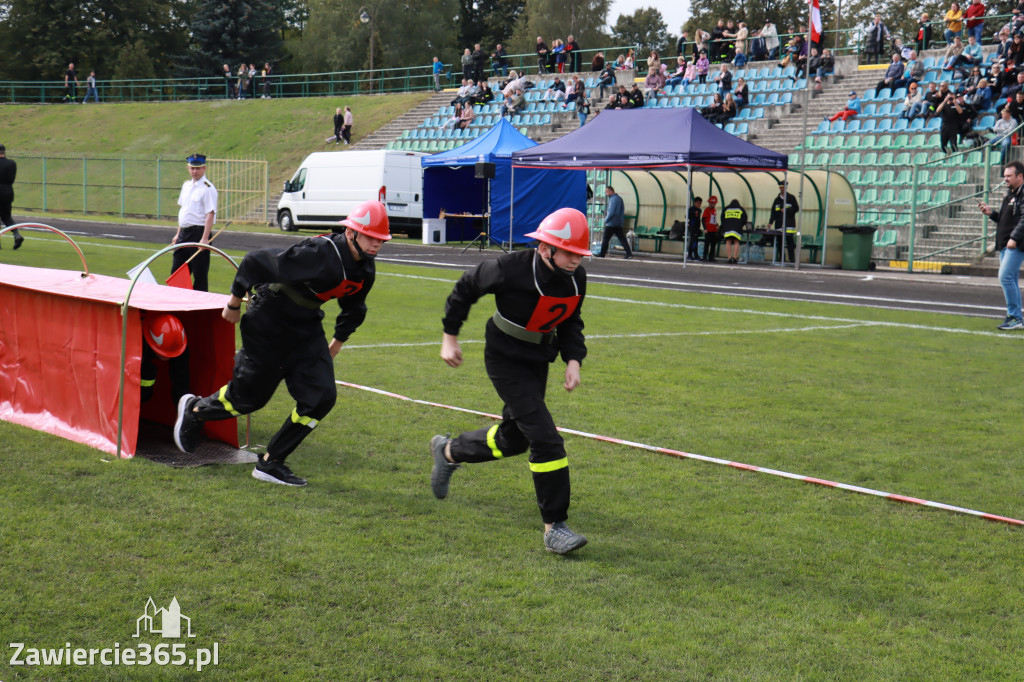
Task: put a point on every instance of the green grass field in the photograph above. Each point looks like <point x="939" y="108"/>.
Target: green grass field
<point x="693" y="571"/>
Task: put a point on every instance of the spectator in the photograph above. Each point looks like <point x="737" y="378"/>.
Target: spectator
<point x="724" y="79"/>
<point x="1011" y="89"/>
<point x="892" y="76"/>
<point x="952" y="54"/>
<point x="454" y="119"/>
<point x="678" y="77"/>
<point x="928" y="100"/>
<point x="265" y="76"/>
<point x="729" y="111"/>
<point x="813" y="64"/>
<point x="913" y="71"/>
<point x="620" y="100"/>
<point x="980" y="97"/>
<point x="996" y="79"/>
<point x="1015" y="106"/>
<point x="912" y="99"/>
<point x="252" y="81"/>
<point x="741" y="93"/>
<point x="499" y="62"/>
<point x="1004" y="44"/>
<point x="717" y="41"/>
<point x="954" y="23"/>
<point x="597" y="63"/>
<point x="971" y="56"/>
<point x="607" y="79"/>
<point x="512" y="84"/>
<point x="346" y="126"/>
<point x="479" y="62"/>
<point x="1009" y="239"/>
<point x="485" y="94"/>
<point x="90" y="88"/>
<point x="715" y="109"/>
<point x="790" y="53"/>
<point x="572" y="51"/>
<point x="851" y="110"/>
<point x="924" y="33"/>
<point x="681" y="44"/>
<point x="703" y="65"/>
<point x="729" y="46"/>
<point x="438" y="70"/>
<point x="734" y="220"/>
<point x="582" y="103"/>
<point x="826" y="67"/>
<point x="653" y="83"/>
<point x="556" y="91"/>
<point x="952" y="112"/>
<point x="242" y="81"/>
<point x="771" y="39"/>
<point x="741" y="39"/>
<point x="739" y="60"/>
<point x="514" y="104"/>
<point x="466" y="117"/>
<point x="614" y="223"/>
<point x="758" y="52"/>
<point x="636" y="98"/>
<point x="229" y="82"/>
<point x="558" y="51"/>
<point x="1002" y="129"/>
<point x="898" y="48"/>
<point x="975" y="20"/>
<point x="630" y="61"/>
<point x="702" y="43"/>
<point x="877" y="35"/>
<point x="467" y="65"/>
<point x="463" y="94"/>
<point x="1014" y="50"/>
<point x="970" y="84"/>
<point x="70" y="85"/>
<point x="542" y="55"/>
<point x="654" y="61"/>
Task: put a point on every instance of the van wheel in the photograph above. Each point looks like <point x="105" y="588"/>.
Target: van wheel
<point x="284" y="221"/>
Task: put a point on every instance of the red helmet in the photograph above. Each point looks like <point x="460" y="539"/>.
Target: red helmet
<point x="712" y="199"/>
<point x="164" y="334"/>
<point x="370" y="218"/>
<point x="566" y="229"/>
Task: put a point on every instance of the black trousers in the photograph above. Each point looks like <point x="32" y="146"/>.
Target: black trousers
<point x="177" y="369"/>
<point x="278" y="345"/>
<point x="790" y="247"/>
<point x="609" y="232"/>
<point x="6" y="201"/>
<point x="526" y="424"/>
<point x="710" y="245"/>
<point x="948" y="137"/>
<point x="346" y="133"/>
<point x="200" y="265"/>
<point x="693" y="247"/>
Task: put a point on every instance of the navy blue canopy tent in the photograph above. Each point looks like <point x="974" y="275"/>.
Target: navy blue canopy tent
<point x="449" y="184"/>
<point x="650" y="139"/>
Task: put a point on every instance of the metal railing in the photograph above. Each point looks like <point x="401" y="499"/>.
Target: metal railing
<point x="137" y="187"/>
<point x="327" y="84"/>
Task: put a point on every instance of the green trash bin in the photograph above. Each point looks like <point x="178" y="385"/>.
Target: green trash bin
<point x="857" y="242"/>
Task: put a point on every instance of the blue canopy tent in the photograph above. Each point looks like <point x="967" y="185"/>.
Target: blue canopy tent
<point x="449" y="184"/>
<point x="674" y="139"/>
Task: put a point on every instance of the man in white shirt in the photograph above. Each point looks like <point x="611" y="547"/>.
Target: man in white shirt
<point x="198" y="202"/>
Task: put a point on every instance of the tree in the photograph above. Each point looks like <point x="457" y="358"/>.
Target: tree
<point x="230" y="32"/>
<point x="644" y="27"/>
<point x="783" y="13"/>
<point x="488" y="22"/>
<point x="583" y="19"/>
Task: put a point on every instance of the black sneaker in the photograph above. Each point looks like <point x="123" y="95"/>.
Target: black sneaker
<point x="18" y="239"/>
<point x="187" y="428"/>
<point x="276" y="472"/>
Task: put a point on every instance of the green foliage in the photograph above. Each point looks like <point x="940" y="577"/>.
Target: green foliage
<point x="583" y="19"/>
<point x="133" y="61"/>
<point x="785" y="14"/>
<point x="232" y="32"/>
<point x="335" y="39"/>
<point x="646" y="28"/>
<point x="488" y="22"/>
<point x="693" y="571"/>
<point x="40" y="37"/>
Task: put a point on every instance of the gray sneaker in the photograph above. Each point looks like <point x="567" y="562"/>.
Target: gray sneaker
<point x="443" y="469"/>
<point x="1011" y="324"/>
<point x="561" y="540"/>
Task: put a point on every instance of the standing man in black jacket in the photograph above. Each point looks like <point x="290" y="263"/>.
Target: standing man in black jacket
<point x="283" y="335"/>
<point x="783" y="218"/>
<point x="539" y="293"/>
<point x="8" y="171"/>
<point x="1009" y="221"/>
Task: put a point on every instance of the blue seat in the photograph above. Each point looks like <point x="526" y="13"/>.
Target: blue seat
<point x="868" y="126"/>
<point x="867" y="111"/>
<point x="900" y="124"/>
<point x="786" y="98"/>
<point x="985" y="122"/>
<point x="883" y="109"/>
<point x="837" y="127"/>
<point x="759" y="99"/>
<point x="853" y="126"/>
<point x="898" y="94"/>
<point x="868" y="96"/>
<point x="758" y="113"/>
<point x="884" y="124"/>
<point x="730" y="128"/>
<point x="822" y="128"/>
<point x="916" y="124"/>
<point x="741" y="129"/>
<point x="934" y="124"/>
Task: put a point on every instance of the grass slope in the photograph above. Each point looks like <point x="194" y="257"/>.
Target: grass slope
<point x="694" y="571"/>
<point x="282" y="131"/>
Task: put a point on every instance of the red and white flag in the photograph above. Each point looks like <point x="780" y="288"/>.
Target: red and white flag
<point x="815" y="22"/>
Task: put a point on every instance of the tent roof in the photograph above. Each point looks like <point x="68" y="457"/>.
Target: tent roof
<point x="498" y="142"/>
<point x="650" y="139"/>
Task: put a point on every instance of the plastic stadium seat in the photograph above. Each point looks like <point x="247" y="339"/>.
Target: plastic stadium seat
<point x="730" y="127"/>
<point x="884" y="124"/>
<point x="867" y="142"/>
<point x="837" y="127"/>
<point x="929" y="62"/>
<point x="885" y="177"/>
<point x="869" y="196"/>
<point x="794" y="159"/>
<point x="853" y="125"/>
<point x="836" y="159"/>
<point x="853" y="177"/>
<point x="902" y="159"/>
<point x="886" y="159"/>
<point x="957" y="178"/>
<point x="758" y="114"/>
<point x="901" y="141"/>
<point x="853" y="159"/>
<point x="904" y="197"/>
<point x="869" y="159"/>
<point x="759" y="99"/>
<point x="868" y="126"/>
<point x="985" y="122"/>
<point x="916" y="124"/>
<point x="867" y="111"/>
<point x="934" y="124"/>
<point x="870" y="177"/>
<point x="883" y="142"/>
<point x="883" y="109"/>
<point x="898" y="94"/>
<point x="822" y="128"/>
<point x="940" y="197"/>
<point x="924" y="196"/>
<point x="786" y="98"/>
<point x="903" y="178"/>
<point x="868" y="96"/>
<point x="900" y="124"/>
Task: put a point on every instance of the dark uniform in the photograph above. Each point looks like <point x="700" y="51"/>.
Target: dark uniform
<point x="733" y="221"/>
<point x="693" y="233"/>
<point x="789" y="225"/>
<point x="8" y="171"/>
<point x="537" y="318"/>
<point x="282" y="333"/>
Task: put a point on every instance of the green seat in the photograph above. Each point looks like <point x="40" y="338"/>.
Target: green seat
<point x="940" y="197"/>
<point x="933" y="141"/>
<point x="901" y="141"/>
<point x="904" y="197"/>
<point x="958" y="178"/>
<point x="886" y="196"/>
<point x="869" y="159"/>
<point x="902" y="178"/>
<point x="870" y="177"/>
<point x="917" y="141"/>
<point x="886" y="159"/>
<point x="924" y="197"/>
<point x="868" y="196"/>
<point x="973" y="159"/>
<point x="853" y="177"/>
<point x="822" y="159"/>
<point x="922" y="177"/>
<point x="867" y="142"/>
<point x="887" y="218"/>
<point x="902" y="159"/>
<point x="852" y="142"/>
<point x="902" y="219"/>
<point x="837" y="158"/>
<point x="794" y="159"/>
<point x="887" y="238"/>
<point x="886" y="177"/>
<point x="883" y="141"/>
<point x="853" y="159"/>
<point x="920" y="158"/>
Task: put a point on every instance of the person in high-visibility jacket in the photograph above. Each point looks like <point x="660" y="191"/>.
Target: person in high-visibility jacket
<point x="539" y="294"/>
<point x="734" y="219"/>
<point x="785" y="219"/>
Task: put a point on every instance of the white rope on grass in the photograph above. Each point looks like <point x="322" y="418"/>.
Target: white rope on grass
<point x="713" y="460"/>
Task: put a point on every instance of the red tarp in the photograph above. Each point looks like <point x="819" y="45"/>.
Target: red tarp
<point x="60" y="354"/>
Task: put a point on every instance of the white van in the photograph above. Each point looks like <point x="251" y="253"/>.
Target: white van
<point x="328" y="185"/>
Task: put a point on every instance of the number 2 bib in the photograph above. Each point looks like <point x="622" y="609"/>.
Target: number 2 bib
<point x="550" y="312"/>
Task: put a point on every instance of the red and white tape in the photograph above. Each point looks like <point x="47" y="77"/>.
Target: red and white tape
<point x="715" y="460"/>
